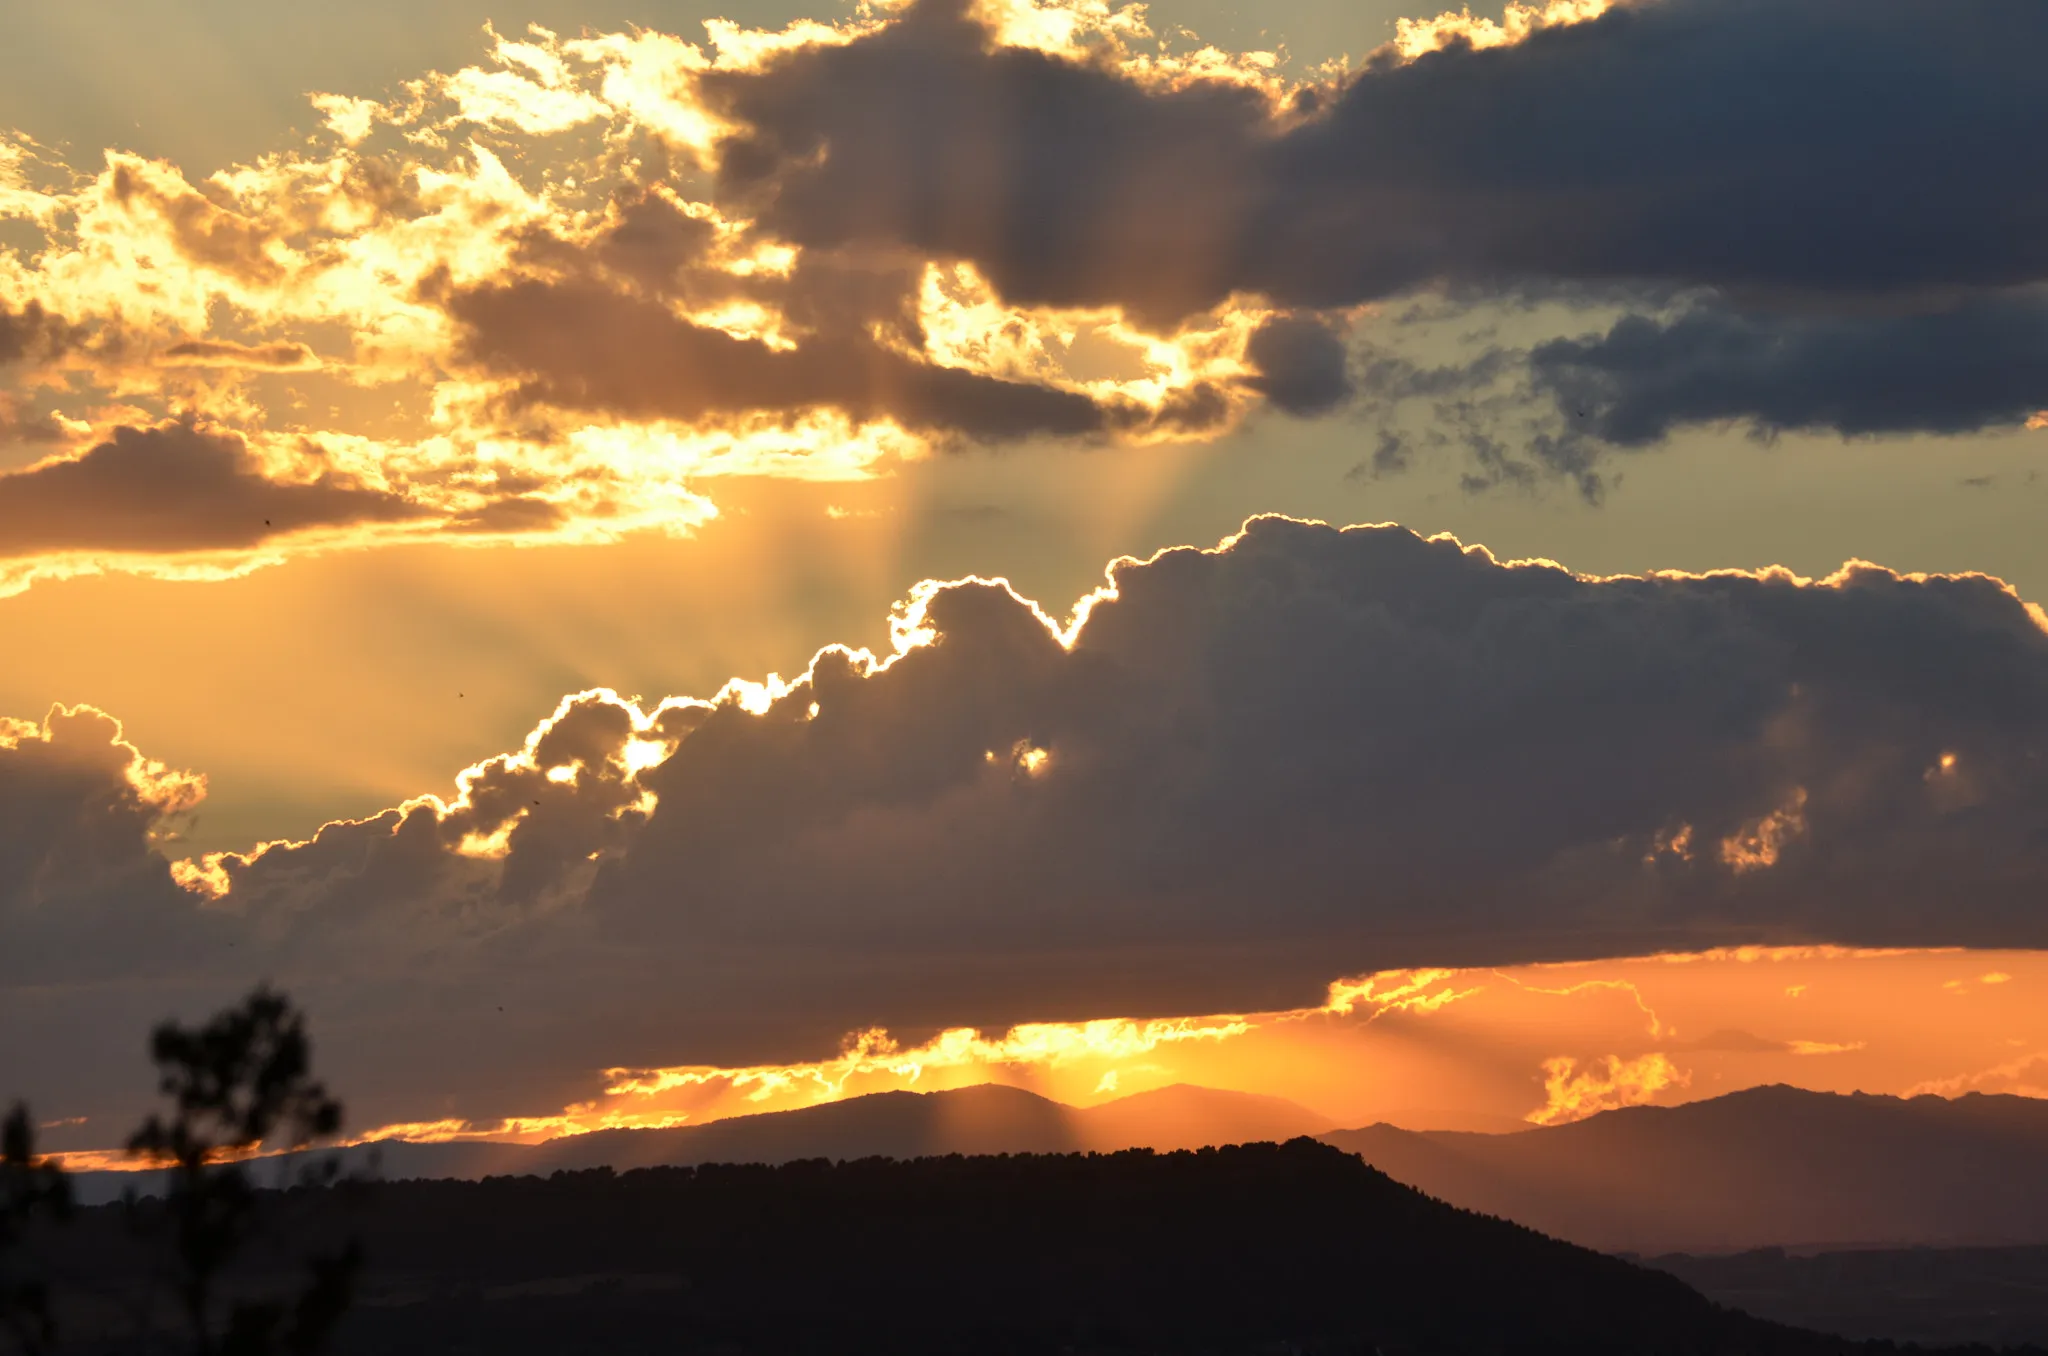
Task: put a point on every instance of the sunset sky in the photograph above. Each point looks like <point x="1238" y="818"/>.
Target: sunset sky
<point x="653" y="562"/>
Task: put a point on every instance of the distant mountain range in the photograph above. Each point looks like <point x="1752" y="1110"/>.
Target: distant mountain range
<point x="1768" y="1166"/>
<point x="1771" y="1166"/>
<point x="989" y="1119"/>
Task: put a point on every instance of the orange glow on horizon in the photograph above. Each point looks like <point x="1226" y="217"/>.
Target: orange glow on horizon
<point x="1494" y="1049"/>
<point x="1444" y="1048"/>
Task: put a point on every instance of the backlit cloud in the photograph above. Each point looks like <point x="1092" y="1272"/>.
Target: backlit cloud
<point x="1230" y="773"/>
<point x="563" y="290"/>
<point x="87" y="825"/>
<point x="1574" y="1091"/>
<point x="169" y="490"/>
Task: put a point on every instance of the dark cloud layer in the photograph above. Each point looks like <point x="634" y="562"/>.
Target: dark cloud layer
<point x="601" y="330"/>
<point x="1301" y="365"/>
<point x="1954" y="370"/>
<point x="582" y="346"/>
<point x="169" y="489"/>
<point x="1066" y="184"/>
<point x="1808" y="159"/>
<point x="1852" y="146"/>
<point x="1313" y="753"/>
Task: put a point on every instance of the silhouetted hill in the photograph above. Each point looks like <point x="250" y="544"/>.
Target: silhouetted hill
<point x="1772" y="1165"/>
<point x="1251" y="1249"/>
<point x="989" y="1119"/>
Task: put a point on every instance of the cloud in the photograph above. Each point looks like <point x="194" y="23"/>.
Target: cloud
<point x="1300" y="364"/>
<point x="1803" y="1048"/>
<point x="214" y="236"/>
<point x="611" y="267"/>
<point x="2026" y="1076"/>
<point x="1863" y="225"/>
<point x="1573" y="1091"/>
<point x="513" y="278"/>
<point x="32" y="334"/>
<point x="83" y="816"/>
<point x="1735" y="1041"/>
<point x="1959" y="368"/>
<point x="1244" y="771"/>
<point x="282" y="356"/>
<point x="171" y="489"/>
<point x="96" y="937"/>
<point x="1066" y="183"/>
<point x="587" y="348"/>
<point x="1597" y="151"/>
<point x="17" y="428"/>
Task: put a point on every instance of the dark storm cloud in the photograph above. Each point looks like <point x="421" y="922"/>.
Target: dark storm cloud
<point x="168" y="489"/>
<point x="1300" y="365"/>
<point x="1957" y="370"/>
<point x="1067" y="184"/>
<point x="1313" y="753"/>
<point x="1850" y="146"/>
<point x="1815" y="155"/>
<point x="582" y="346"/>
<point x="1834" y="146"/>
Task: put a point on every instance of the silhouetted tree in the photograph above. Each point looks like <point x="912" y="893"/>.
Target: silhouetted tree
<point x="241" y="1083"/>
<point x="32" y="1191"/>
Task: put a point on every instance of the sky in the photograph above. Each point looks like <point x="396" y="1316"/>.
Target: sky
<point x="619" y="551"/>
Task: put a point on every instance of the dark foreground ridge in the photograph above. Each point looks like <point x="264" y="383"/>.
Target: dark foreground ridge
<point x="1252" y="1249"/>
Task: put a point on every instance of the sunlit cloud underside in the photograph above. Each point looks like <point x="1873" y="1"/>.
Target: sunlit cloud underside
<point x="512" y="303"/>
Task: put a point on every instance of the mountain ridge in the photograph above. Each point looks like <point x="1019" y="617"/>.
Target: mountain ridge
<point x="1246" y="1250"/>
<point x="986" y="1118"/>
<point x="1769" y="1166"/>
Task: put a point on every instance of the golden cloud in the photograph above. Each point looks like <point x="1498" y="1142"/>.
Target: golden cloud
<point x="434" y="271"/>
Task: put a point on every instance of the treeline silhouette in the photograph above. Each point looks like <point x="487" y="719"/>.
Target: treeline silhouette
<point x="1256" y="1249"/>
<point x="215" y="1266"/>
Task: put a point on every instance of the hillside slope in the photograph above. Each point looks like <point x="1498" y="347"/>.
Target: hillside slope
<point x="1231" y="1252"/>
<point x="1767" y="1166"/>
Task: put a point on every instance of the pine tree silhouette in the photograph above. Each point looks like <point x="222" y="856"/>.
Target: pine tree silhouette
<point x="239" y="1084"/>
<point x="32" y="1191"/>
